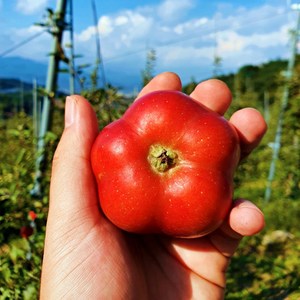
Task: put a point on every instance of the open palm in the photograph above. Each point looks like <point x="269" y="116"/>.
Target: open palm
<point x="86" y="257"/>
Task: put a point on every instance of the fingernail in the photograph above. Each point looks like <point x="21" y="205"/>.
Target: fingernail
<point x="241" y="203"/>
<point x="70" y="108"/>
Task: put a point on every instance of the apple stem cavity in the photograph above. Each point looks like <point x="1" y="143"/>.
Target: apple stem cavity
<point x="162" y="159"/>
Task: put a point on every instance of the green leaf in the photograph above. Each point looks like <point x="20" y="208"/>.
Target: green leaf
<point x="6" y="272"/>
<point x="30" y="292"/>
<point x="20" y="156"/>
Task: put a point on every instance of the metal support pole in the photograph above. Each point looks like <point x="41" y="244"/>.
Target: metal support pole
<point x="71" y="60"/>
<point x="35" y="110"/>
<point x="58" y="28"/>
<point x="284" y="103"/>
<point x="99" y="60"/>
<point x="22" y="109"/>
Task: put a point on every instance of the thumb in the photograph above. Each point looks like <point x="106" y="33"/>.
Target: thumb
<point x="73" y="207"/>
<point x="72" y="187"/>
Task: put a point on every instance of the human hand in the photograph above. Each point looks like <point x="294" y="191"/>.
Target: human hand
<point x="87" y="257"/>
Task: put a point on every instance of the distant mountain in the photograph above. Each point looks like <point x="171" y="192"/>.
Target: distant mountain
<point x="23" y="69"/>
<point x="12" y="85"/>
<point x="26" y="70"/>
<point x="17" y="69"/>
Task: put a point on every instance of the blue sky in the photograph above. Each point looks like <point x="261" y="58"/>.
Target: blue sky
<point x="186" y="34"/>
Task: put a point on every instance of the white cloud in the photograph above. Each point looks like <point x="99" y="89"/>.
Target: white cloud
<point x="170" y="10"/>
<point x="121" y="20"/>
<point x="120" y="31"/>
<point x="179" y="53"/>
<point x="85" y="35"/>
<point x="231" y="42"/>
<point x="36" y="49"/>
<point x="105" y="25"/>
<point x="28" y="7"/>
<point x="190" y="25"/>
<point x="28" y="31"/>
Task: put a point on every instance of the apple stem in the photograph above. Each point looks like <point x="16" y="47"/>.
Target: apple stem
<point x="162" y="159"/>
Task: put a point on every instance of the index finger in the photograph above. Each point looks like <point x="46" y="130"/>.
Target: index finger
<point x="163" y="81"/>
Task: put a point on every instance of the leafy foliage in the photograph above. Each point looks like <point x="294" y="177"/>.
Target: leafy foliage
<point x="147" y="73"/>
<point x="20" y="257"/>
<point x="258" y="270"/>
<point x="265" y="271"/>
